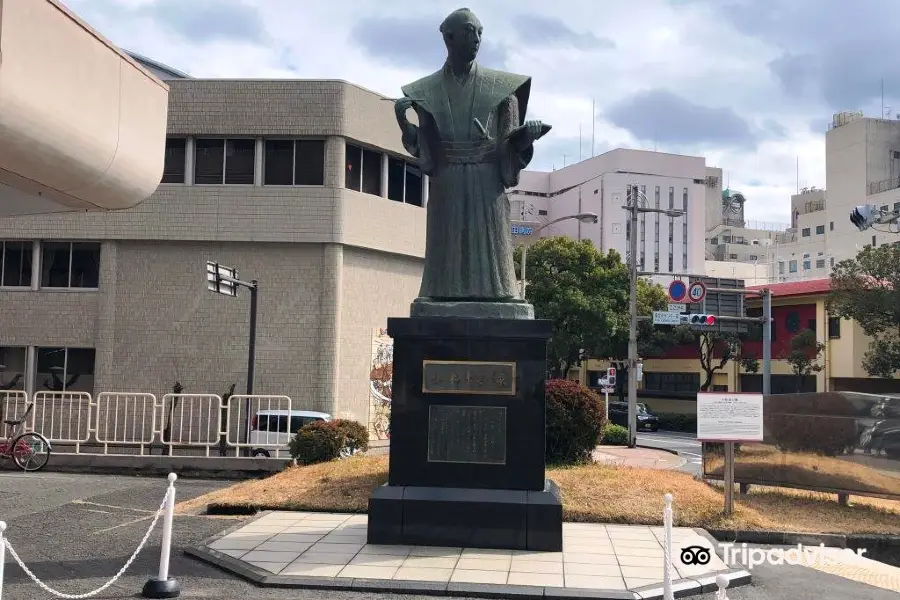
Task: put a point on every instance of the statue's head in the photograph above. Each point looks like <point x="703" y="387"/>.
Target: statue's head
<point x="462" y="35"/>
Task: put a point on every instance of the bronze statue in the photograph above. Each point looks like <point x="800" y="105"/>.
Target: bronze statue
<point x="472" y="142"/>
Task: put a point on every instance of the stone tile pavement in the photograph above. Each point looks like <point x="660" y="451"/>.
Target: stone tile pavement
<point x="328" y="545"/>
<point x="849" y="565"/>
<point x="650" y="458"/>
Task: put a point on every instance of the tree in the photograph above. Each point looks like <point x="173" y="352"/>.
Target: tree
<point x="866" y="289"/>
<point x="804" y="355"/>
<point x="716" y="349"/>
<point x="584" y="292"/>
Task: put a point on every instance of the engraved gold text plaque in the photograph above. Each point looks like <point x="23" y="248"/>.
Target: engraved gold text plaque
<point x="468" y="377"/>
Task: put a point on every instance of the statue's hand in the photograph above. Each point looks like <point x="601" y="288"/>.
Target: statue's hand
<point x="534" y="130"/>
<point x="401" y="105"/>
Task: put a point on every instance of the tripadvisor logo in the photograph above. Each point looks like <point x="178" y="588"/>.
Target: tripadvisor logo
<point x="698" y="551"/>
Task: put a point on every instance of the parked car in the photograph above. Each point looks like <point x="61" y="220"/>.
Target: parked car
<point x="646" y="420"/>
<point x="271" y="430"/>
<point x="884" y="437"/>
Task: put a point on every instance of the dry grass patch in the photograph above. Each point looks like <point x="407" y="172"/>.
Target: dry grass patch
<point x="591" y="493"/>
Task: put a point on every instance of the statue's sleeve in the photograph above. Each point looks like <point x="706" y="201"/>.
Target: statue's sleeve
<point x="512" y="159"/>
<point x="426" y="135"/>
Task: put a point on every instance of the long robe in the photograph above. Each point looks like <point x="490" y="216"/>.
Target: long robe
<point x="468" y="247"/>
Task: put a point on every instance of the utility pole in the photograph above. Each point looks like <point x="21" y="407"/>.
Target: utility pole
<point x="767" y="342"/>
<point x="632" y="321"/>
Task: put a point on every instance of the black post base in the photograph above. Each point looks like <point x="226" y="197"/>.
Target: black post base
<point x="467" y="518"/>
<point x="156" y="588"/>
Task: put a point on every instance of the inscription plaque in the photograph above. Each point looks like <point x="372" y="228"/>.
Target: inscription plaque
<point x="468" y="377"/>
<point x="467" y="434"/>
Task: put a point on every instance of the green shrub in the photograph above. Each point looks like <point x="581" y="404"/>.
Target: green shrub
<point x="319" y="441"/>
<point x="614" y="435"/>
<point x="821" y="423"/>
<point x="575" y="419"/>
<point x="356" y="435"/>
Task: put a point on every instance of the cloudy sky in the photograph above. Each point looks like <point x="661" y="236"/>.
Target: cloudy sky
<point x="749" y="84"/>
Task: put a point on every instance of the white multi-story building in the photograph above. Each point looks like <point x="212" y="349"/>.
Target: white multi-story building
<point x="598" y="185"/>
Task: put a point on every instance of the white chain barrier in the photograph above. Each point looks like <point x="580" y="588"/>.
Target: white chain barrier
<point x="668" y="593"/>
<point x="166" y="507"/>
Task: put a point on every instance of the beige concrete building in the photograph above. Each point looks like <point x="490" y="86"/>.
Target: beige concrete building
<point x="301" y="185"/>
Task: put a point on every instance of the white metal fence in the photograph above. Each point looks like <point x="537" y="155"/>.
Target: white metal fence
<point x="128" y="423"/>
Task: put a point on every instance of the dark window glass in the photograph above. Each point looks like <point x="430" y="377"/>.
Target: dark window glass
<point x="12" y="371"/>
<point x="805" y="232"/>
<point x="831" y="225"/>
<point x="85" y="265"/>
<point x="240" y="159"/>
<point x="396" y="178"/>
<point x="65" y="369"/>
<point x="811" y="325"/>
<point x="16" y="264"/>
<point x="352" y="178"/>
<point x="671" y="197"/>
<point x="413" y="185"/>
<point x="173" y="168"/>
<point x="55" y="262"/>
<point x="279" y="167"/>
<point x="820" y="229"/>
<point x="834" y="328"/>
<point x="209" y="161"/>
<point x="310" y="162"/>
<point x="371" y="174"/>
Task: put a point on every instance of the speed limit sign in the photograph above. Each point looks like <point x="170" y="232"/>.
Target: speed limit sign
<point x="697" y="292"/>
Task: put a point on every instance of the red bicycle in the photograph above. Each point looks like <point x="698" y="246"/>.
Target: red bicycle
<point x="29" y="450"/>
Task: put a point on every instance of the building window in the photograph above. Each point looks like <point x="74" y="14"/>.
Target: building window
<point x="884" y="208"/>
<point x="781" y="267"/>
<point x="671" y="264"/>
<point x="805" y="232"/>
<point x="671" y="197"/>
<point x="754" y="257"/>
<point x="832" y="261"/>
<point x="874" y="243"/>
<point x="220" y="161"/>
<point x="897" y="206"/>
<point x="732" y="257"/>
<point x="405" y="182"/>
<point x="173" y="167"/>
<point x="363" y="170"/>
<point x="834" y="328"/>
<point x="807" y="264"/>
<point x="714" y="241"/>
<point x="294" y="162"/>
<point x="792" y="266"/>
<point x="65" y="370"/>
<point x="12" y="369"/>
<point x="831" y="226"/>
<point x="820" y="229"/>
<point x="542" y="213"/>
<point x="726" y="239"/>
<point x="70" y="265"/>
<point x="656" y="197"/>
<point x="811" y="325"/>
<point x="15" y="264"/>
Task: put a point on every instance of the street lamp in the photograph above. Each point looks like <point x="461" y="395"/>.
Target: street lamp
<point x="581" y="217"/>
<point x="633" y="207"/>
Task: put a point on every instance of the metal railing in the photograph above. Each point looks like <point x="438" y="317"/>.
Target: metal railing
<point x="129" y="423"/>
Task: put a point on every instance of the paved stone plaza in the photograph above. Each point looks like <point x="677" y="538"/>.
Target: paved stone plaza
<point x="296" y="545"/>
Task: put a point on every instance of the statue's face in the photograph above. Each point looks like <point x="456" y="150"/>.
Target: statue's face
<point x="463" y="37"/>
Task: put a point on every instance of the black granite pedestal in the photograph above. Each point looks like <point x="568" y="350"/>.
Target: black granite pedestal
<point x="467" y="437"/>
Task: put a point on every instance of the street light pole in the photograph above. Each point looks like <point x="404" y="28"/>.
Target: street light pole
<point x="580" y="217"/>
<point x="632" y="321"/>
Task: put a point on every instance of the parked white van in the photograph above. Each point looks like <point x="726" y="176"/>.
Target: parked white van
<point x="271" y="430"/>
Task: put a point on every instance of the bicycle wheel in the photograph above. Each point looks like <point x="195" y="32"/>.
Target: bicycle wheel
<point x="31" y="451"/>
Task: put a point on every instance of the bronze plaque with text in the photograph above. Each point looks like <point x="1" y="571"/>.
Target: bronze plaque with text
<point x="467" y="434"/>
<point x="468" y="377"/>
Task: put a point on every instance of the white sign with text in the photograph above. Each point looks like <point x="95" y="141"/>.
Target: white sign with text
<point x="723" y="417"/>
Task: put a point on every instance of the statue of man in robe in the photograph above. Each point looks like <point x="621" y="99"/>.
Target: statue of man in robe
<point x="473" y="142"/>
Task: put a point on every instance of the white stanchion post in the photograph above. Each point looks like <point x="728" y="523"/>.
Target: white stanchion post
<point x="2" y="555"/>
<point x="722" y="582"/>
<point x="164" y="586"/>
<point x="668" y="594"/>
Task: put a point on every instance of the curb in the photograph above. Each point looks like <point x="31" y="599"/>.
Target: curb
<point x="881" y="547"/>
<point x="684" y="587"/>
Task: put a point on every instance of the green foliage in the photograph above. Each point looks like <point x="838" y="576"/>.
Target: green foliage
<point x="319" y="441"/>
<point x="807" y="423"/>
<point x="614" y="435"/>
<point x="678" y="422"/>
<point x="804" y="355"/>
<point x="584" y="292"/>
<point x="575" y="420"/>
<point x="355" y="434"/>
<point x="866" y="289"/>
<point x="750" y="364"/>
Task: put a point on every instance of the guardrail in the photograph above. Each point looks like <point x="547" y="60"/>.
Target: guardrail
<point x="129" y="423"/>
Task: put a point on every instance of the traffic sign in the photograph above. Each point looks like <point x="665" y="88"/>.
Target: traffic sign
<point x="677" y="290"/>
<point x="664" y="317"/>
<point x="697" y="292"/>
<point x="608" y="390"/>
<point x="677" y="307"/>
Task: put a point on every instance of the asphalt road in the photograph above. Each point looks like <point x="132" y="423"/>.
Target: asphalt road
<point x="76" y="532"/>
<point x="685" y="444"/>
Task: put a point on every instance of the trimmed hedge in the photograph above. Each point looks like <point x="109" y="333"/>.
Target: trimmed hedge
<point x="677" y="422"/>
<point x="322" y="441"/>
<point x="614" y="435"/>
<point x="575" y="420"/>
